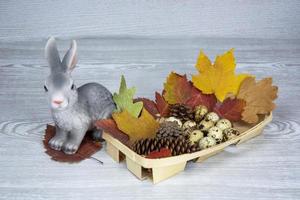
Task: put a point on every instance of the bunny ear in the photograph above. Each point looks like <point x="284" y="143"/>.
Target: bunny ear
<point x="70" y="59"/>
<point x="52" y="55"/>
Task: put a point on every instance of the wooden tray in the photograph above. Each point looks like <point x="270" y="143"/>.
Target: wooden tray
<point x="163" y="168"/>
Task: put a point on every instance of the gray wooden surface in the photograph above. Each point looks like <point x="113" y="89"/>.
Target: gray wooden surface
<point x="267" y="167"/>
<point x="118" y="37"/>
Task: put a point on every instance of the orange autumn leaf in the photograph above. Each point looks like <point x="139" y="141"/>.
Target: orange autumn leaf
<point x="136" y="128"/>
<point x="177" y="88"/>
<point x="258" y="96"/>
<point x="218" y="78"/>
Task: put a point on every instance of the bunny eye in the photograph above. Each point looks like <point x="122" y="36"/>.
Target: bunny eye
<point x="73" y="87"/>
<point x="45" y="88"/>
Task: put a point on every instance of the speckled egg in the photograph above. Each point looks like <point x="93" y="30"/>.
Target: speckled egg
<point x="205" y="125"/>
<point x="230" y="133"/>
<point x="200" y="112"/>
<point x="216" y="133"/>
<point x="195" y="136"/>
<point x="207" y="142"/>
<point x="174" y="119"/>
<point x="189" y="125"/>
<point x="212" y="116"/>
<point x="224" y="124"/>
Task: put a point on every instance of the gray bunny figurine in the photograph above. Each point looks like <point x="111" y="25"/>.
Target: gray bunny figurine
<point x="74" y="111"/>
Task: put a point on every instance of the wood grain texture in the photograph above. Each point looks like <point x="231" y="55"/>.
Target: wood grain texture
<point x="36" y="19"/>
<point x="267" y="167"/>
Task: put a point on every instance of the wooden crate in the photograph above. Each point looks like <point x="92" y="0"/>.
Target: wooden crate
<point x="163" y="168"/>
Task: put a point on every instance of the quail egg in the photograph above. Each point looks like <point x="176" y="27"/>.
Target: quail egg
<point x="207" y="142"/>
<point x="205" y="125"/>
<point x="216" y="133"/>
<point x="230" y="133"/>
<point x="195" y="136"/>
<point x="212" y="116"/>
<point x="200" y="112"/>
<point x="224" y="124"/>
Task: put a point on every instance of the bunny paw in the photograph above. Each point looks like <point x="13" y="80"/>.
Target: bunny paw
<point x="70" y="148"/>
<point x="56" y="143"/>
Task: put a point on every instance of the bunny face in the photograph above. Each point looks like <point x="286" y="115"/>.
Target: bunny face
<point x="59" y="85"/>
<point x="61" y="91"/>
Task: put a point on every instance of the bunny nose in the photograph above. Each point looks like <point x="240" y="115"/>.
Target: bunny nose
<point x="57" y="102"/>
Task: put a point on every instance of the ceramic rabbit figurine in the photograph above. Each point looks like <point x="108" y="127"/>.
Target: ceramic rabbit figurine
<point x="74" y="111"/>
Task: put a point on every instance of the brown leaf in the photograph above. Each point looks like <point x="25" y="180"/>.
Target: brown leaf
<point x="258" y="96"/>
<point x="162" y="105"/>
<point x="87" y="148"/>
<point x="149" y="105"/>
<point x="230" y="109"/>
<point x="110" y="127"/>
<point x="162" y="153"/>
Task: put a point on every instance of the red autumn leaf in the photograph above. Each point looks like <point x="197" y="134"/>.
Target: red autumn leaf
<point x="149" y="105"/>
<point x="162" y="153"/>
<point x="230" y="109"/>
<point x="110" y="127"/>
<point x="198" y="98"/>
<point x="87" y="148"/>
<point x="177" y="89"/>
<point x="162" y="105"/>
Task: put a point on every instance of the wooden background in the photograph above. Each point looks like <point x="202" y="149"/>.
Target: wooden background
<point x="145" y="40"/>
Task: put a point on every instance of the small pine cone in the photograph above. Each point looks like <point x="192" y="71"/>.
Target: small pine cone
<point x="177" y="146"/>
<point x="182" y="112"/>
<point x="169" y="130"/>
<point x="181" y="145"/>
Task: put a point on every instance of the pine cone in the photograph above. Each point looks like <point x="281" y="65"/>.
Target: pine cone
<point x="177" y="146"/>
<point x="182" y="112"/>
<point x="168" y="130"/>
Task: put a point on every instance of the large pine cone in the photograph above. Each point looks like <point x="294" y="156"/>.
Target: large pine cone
<point x="169" y="130"/>
<point x="182" y="112"/>
<point x="177" y="146"/>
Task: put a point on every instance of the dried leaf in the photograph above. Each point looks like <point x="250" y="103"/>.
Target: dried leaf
<point x="136" y="128"/>
<point x="218" y="78"/>
<point x="87" y="148"/>
<point x="258" y="96"/>
<point x="198" y="98"/>
<point x="162" y="153"/>
<point x="124" y="100"/>
<point x="162" y="105"/>
<point x="149" y="105"/>
<point x="177" y="88"/>
<point x="230" y="109"/>
<point x="110" y="127"/>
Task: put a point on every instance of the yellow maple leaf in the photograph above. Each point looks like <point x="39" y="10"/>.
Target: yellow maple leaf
<point x="218" y="78"/>
<point x="136" y="128"/>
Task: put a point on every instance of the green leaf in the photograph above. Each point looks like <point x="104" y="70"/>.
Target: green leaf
<point x="124" y="100"/>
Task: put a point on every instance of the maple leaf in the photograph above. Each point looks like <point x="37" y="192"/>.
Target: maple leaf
<point x="110" y="127"/>
<point x="162" y="105"/>
<point x="230" y="109"/>
<point x="87" y="148"/>
<point x="162" y="153"/>
<point x="177" y="89"/>
<point x="136" y="128"/>
<point x="258" y="96"/>
<point x="149" y="105"/>
<point x="218" y="78"/>
<point x="198" y="98"/>
<point x="124" y="100"/>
